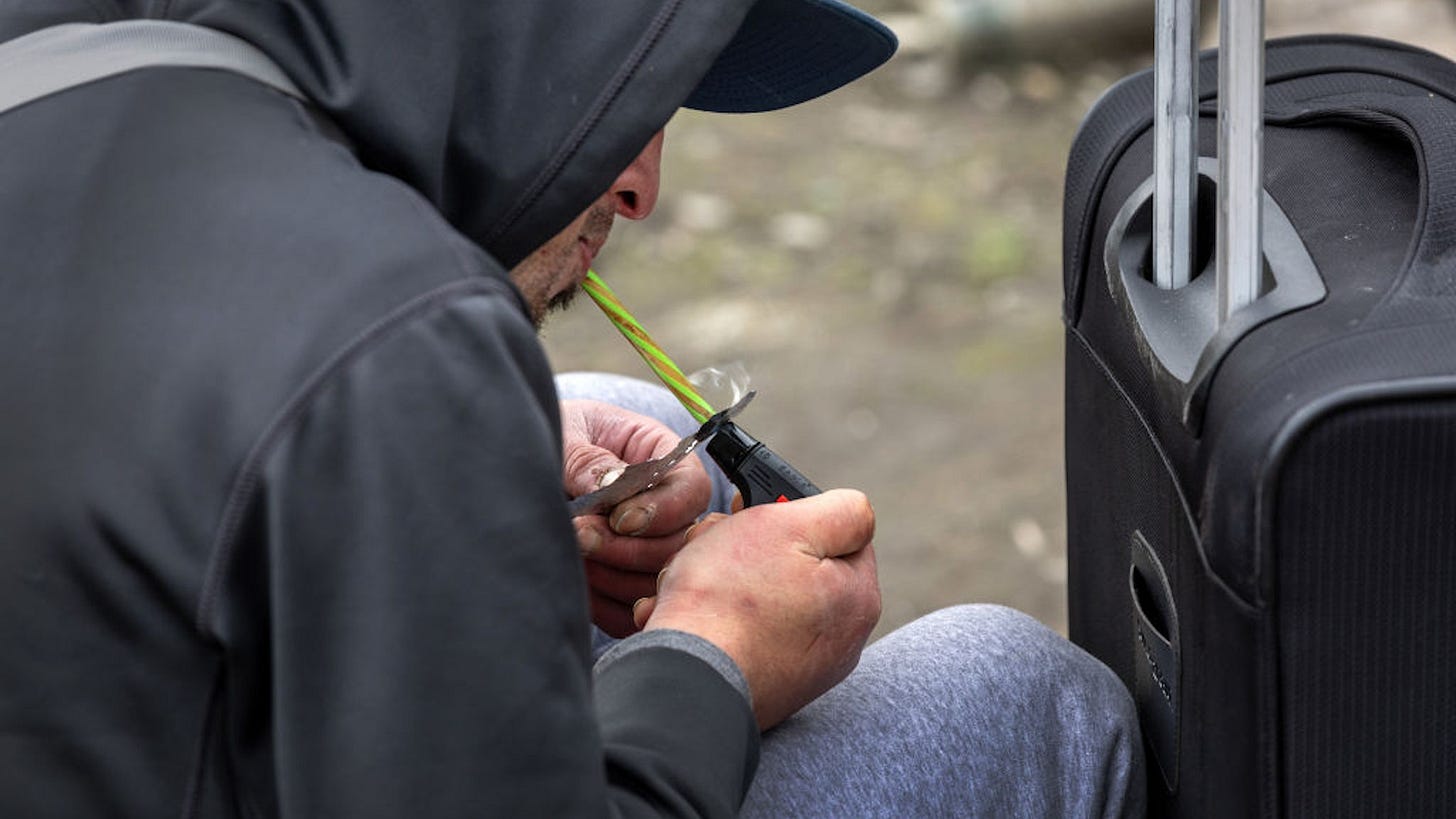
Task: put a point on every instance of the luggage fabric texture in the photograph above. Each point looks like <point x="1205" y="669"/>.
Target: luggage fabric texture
<point x="1266" y="553"/>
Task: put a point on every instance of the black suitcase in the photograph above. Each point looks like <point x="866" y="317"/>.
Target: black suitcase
<point x="1262" y="510"/>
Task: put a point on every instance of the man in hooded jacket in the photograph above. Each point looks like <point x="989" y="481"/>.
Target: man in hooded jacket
<point x="281" y="485"/>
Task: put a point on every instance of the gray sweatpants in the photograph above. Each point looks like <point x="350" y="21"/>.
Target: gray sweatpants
<point x="973" y="710"/>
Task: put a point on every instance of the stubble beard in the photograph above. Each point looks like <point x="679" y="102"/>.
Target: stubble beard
<point x="596" y="228"/>
<point x="558" y="302"/>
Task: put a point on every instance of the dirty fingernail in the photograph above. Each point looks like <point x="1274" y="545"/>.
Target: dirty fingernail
<point x="632" y="520"/>
<point x="588" y="540"/>
<point x="637" y="618"/>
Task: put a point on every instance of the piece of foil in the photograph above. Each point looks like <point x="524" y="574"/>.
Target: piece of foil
<point x="639" y="478"/>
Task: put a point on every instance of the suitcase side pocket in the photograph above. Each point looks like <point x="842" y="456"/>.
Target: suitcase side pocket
<point x="1155" y="656"/>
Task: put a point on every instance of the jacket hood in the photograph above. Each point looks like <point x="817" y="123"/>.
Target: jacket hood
<point x="511" y="116"/>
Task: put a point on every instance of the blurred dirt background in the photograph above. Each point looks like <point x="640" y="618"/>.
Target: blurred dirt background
<point x="885" y="263"/>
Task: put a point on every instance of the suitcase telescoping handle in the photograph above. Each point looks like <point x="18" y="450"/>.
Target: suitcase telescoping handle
<point x="1239" y="243"/>
<point x="1157" y="249"/>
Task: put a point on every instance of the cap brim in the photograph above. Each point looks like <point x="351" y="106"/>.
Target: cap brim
<point x="790" y="51"/>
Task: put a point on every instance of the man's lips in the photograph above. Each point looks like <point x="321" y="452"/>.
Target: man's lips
<point x="589" y="250"/>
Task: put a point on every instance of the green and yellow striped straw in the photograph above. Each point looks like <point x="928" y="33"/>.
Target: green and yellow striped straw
<point x="662" y="366"/>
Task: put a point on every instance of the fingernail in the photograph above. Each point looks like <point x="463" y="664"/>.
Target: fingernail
<point x="633" y="520"/>
<point x="588" y="540"/>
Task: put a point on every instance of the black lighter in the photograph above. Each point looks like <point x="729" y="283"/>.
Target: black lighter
<point x="759" y="473"/>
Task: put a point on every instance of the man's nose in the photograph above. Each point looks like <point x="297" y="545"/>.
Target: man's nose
<point x="635" y="191"/>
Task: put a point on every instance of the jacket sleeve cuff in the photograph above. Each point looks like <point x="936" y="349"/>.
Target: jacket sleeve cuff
<point x="682" y="641"/>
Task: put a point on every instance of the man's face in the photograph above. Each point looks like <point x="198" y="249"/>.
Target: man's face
<point x="550" y="276"/>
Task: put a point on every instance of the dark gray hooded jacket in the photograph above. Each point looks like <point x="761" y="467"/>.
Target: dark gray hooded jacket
<point x="281" y="520"/>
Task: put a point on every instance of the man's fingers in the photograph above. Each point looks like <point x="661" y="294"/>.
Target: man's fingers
<point x="599" y="438"/>
<point x="621" y="586"/>
<point x="632" y="554"/>
<point x="642" y="610"/>
<point x="866" y="580"/>
<point x="682" y="496"/>
<point x="585" y="467"/>
<point x="837" y="523"/>
<point x="612" y="616"/>
<point x="788" y="590"/>
<point x="697" y="529"/>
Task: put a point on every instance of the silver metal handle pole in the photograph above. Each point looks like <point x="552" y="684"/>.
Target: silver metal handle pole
<point x="1240" y="149"/>
<point x="1175" y="138"/>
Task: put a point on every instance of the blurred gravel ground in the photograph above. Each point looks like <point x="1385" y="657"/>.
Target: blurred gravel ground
<point x="885" y="262"/>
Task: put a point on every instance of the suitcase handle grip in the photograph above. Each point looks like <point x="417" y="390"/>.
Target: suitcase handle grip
<point x="1427" y="128"/>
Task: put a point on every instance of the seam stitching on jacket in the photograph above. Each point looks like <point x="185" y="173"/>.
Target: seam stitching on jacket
<point x="192" y="799"/>
<point x="594" y="116"/>
<point x="249" y="474"/>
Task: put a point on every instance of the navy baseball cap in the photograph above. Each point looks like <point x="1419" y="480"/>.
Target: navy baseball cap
<point x="790" y="51"/>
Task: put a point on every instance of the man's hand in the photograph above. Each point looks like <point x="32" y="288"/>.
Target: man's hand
<point x="788" y="590"/>
<point x="625" y="550"/>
